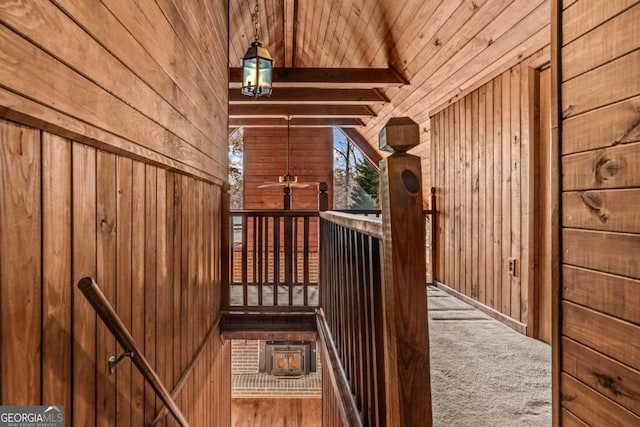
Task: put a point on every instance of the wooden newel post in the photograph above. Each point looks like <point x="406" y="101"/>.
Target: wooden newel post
<point x="323" y="197"/>
<point x="406" y="339"/>
<point x="287" y="198"/>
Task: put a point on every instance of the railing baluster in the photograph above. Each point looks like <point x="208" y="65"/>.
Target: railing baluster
<point x="349" y="312"/>
<point x="360" y="325"/>
<point x="376" y="310"/>
<point x="267" y="273"/>
<point x="305" y="257"/>
<point x="254" y="250"/>
<point x="296" y="251"/>
<point x="260" y="221"/>
<point x="369" y="383"/>
<point x="288" y="257"/>
<point x="276" y="259"/>
<point x="244" y="261"/>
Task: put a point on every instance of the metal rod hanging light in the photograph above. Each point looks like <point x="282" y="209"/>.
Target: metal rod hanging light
<point x="257" y="66"/>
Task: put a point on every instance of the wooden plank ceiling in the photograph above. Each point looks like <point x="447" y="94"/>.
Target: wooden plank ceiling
<point x="357" y="63"/>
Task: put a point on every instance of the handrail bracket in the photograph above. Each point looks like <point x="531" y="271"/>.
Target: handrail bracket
<point x="114" y="361"/>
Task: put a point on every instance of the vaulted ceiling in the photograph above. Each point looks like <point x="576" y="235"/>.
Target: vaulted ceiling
<point x="357" y="63"/>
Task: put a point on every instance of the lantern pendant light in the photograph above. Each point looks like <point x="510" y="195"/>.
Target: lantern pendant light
<point x="257" y="67"/>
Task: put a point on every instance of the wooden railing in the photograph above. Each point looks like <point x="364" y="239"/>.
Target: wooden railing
<point x="281" y="246"/>
<point x="108" y="315"/>
<point x="373" y="316"/>
<point x="350" y="319"/>
<point x="273" y="258"/>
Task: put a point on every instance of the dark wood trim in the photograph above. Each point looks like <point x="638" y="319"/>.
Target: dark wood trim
<point x="274" y="212"/>
<point x="298" y="110"/>
<point x="340" y="78"/>
<point x="296" y="122"/>
<point x="311" y="96"/>
<point x="533" y="86"/>
<point x="268" y="323"/>
<point x="256" y="335"/>
<point x="260" y="310"/>
<point x="513" y="324"/>
<point x="556" y="250"/>
<point x="367" y="150"/>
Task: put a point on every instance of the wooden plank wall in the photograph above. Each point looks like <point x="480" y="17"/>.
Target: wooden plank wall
<point x="137" y="77"/>
<point x="113" y="150"/>
<point x="480" y="166"/>
<point x="599" y="334"/>
<point x="150" y="238"/>
<point x="310" y="159"/>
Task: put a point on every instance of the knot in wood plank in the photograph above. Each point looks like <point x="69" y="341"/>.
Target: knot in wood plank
<point x="607" y="167"/>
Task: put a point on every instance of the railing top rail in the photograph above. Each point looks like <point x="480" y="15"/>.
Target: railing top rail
<point x="360" y="211"/>
<point x="362" y="224"/>
<point x="273" y="212"/>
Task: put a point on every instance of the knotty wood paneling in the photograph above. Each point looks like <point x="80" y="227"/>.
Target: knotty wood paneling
<point x="481" y="149"/>
<point x="124" y="185"/>
<point x="56" y="270"/>
<point x="600" y="146"/>
<point x="70" y="210"/>
<point x="20" y="264"/>
<point x="83" y="327"/>
<point x="111" y="163"/>
<point x="132" y="69"/>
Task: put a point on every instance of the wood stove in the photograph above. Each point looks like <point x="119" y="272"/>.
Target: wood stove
<point x="288" y="359"/>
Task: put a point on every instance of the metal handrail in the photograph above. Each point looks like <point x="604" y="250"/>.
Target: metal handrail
<point x="101" y="305"/>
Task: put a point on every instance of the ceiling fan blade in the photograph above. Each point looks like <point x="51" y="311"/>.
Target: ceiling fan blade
<point x="284" y="184"/>
<point x="302" y="184"/>
<point x="271" y="184"/>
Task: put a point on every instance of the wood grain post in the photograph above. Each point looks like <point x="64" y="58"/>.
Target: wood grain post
<point x="323" y="197"/>
<point x="287" y="199"/>
<point x="406" y="339"/>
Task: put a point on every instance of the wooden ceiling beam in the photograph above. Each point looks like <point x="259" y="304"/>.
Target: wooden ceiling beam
<point x="343" y="122"/>
<point x="288" y="95"/>
<point x="363" y="145"/>
<point x="296" y="110"/>
<point x="337" y="78"/>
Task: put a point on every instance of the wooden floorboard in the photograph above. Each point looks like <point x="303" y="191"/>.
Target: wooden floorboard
<point x="276" y="412"/>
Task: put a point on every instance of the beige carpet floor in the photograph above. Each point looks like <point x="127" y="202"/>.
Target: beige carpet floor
<point x="483" y="373"/>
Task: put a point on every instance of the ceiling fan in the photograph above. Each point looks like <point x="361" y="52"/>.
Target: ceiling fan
<point x="287" y="180"/>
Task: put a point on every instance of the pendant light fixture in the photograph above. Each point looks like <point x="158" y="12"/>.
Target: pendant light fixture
<point x="257" y="66"/>
<point x="287" y="180"/>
